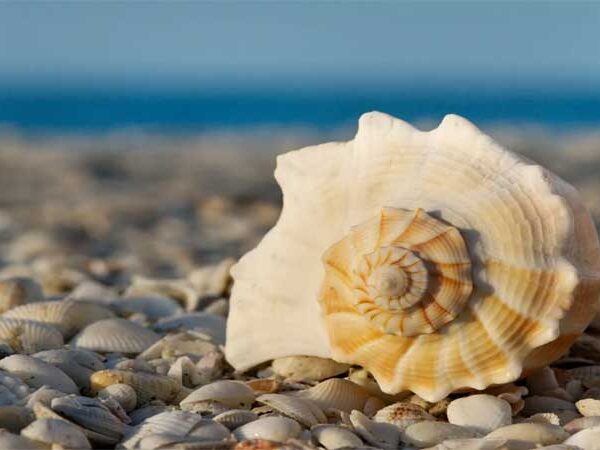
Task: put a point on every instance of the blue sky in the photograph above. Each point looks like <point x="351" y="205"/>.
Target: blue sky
<point x="246" y="43"/>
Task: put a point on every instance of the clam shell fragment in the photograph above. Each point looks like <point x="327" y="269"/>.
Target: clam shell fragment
<point x="278" y="429"/>
<point x="26" y="336"/>
<point x="483" y="413"/>
<point x="115" y="335"/>
<point x="37" y="373"/>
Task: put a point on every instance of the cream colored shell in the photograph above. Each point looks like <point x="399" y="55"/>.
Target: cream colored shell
<point x="437" y="260"/>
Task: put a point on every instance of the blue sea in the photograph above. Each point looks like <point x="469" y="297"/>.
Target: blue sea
<point x="198" y="110"/>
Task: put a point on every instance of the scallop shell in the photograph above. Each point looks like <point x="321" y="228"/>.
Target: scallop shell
<point x="437" y="260"/>
<point x="67" y="316"/>
<point x="233" y="394"/>
<point x="483" y="413"/>
<point x="115" y="335"/>
<point x="37" y="373"/>
<point x="304" y="411"/>
<point x="333" y="437"/>
<point x="336" y="393"/>
<point x="147" y="386"/>
<point x="56" y="432"/>
<point x="26" y="336"/>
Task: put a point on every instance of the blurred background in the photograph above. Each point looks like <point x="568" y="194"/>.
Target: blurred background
<point x="142" y="135"/>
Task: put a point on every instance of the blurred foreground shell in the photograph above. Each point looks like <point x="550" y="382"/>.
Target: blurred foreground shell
<point x="437" y="260"/>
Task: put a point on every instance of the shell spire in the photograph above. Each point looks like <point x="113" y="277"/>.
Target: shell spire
<point x="436" y="260"/>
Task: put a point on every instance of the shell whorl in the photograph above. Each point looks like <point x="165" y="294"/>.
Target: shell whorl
<point x="405" y="271"/>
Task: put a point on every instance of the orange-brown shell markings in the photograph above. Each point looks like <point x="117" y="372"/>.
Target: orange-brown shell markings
<point x="430" y="327"/>
<point x="405" y="271"/>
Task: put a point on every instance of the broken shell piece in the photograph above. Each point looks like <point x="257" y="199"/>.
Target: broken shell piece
<point x="336" y="393"/>
<point x="381" y="435"/>
<point x="483" y="413"/>
<point x="307" y="368"/>
<point x="303" y="410"/>
<point x="264" y="385"/>
<point x="26" y="336"/>
<point x="122" y="393"/>
<point x="186" y="372"/>
<point x="278" y="429"/>
<point x="232" y="394"/>
<point x="333" y="437"/>
<point x="402" y="415"/>
<point x="115" y="335"/>
<point x="56" y="432"/>
<point x="18" y="291"/>
<point x="147" y="386"/>
<point x="235" y="418"/>
<point x="37" y="373"/>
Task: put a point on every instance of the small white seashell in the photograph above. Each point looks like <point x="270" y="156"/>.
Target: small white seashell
<point x="147" y="386"/>
<point x="115" y="335"/>
<point x="581" y="423"/>
<point x="427" y="434"/>
<point x="588" y="439"/>
<point x="303" y="410"/>
<point x="78" y="364"/>
<point x="333" y="437"/>
<point x="336" y="393"/>
<point x="26" y="336"/>
<point x="382" y="435"/>
<point x="37" y="373"/>
<point x="209" y="324"/>
<point x="18" y="291"/>
<point x="122" y="393"/>
<point x="537" y="433"/>
<point x="402" y="415"/>
<point x="483" y="413"/>
<point x="588" y="407"/>
<point x="235" y="418"/>
<point x="56" y="432"/>
<point x="233" y="394"/>
<point x="278" y="429"/>
<point x="11" y="441"/>
<point x="307" y="368"/>
<point x="551" y="418"/>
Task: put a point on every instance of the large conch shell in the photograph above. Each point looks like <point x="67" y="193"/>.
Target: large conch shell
<point x="437" y="260"/>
